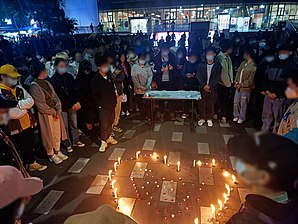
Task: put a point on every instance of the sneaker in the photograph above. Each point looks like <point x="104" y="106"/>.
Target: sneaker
<point x="183" y="116"/>
<point x="127" y="113"/>
<point x="239" y="121"/>
<point x="69" y="149"/>
<point x="117" y="129"/>
<point x="79" y="144"/>
<point x="122" y="113"/>
<point x="235" y="119"/>
<point x="37" y="167"/>
<point x="62" y="156"/>
<point x="112" y="141"/>
<point x="55" y="159"/>
<point x="148" y="121"/>
<point x="209" y="123"/>
<point x="223" y="120"/>
<point x="103" y="146"/>
<point x="201" y="122"/>
<point x="215" y="116"/>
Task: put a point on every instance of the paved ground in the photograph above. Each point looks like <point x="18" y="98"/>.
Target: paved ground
<point x="150" y="191"/>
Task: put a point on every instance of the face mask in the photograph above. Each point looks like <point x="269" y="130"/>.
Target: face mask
<point x="180" y="56"/>
<point x="105" y="69"/>
<point x="240" y="167"/>
<point x="193" y="61"/>
<point x="291" y="94"/>
<point x="142" y="62"/>
<point x="131" y="55"/>
<point x="20" y="211"/>
<point x="209" y="57"/>
<point x="262" y="44"/>
<point x="165" y="53"/>
<point x="11" y="81"/>
<point x="5" y="119"/>
<point x="138" y="43"/>
<point x="269" y="59"/>
<point x="283" y="56"/>
<point x="61" y="70"/>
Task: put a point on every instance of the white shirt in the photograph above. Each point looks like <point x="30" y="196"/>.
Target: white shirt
<point x="209" y="69"/>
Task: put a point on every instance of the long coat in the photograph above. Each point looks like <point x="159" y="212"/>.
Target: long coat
<point x="44" y="110"/>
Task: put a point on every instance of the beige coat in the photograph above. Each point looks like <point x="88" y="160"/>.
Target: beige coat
<point x="44" y="110"/>
<point x="103" y="215"/>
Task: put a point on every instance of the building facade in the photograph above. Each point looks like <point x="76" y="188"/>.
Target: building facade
<point x="155" y="16"/>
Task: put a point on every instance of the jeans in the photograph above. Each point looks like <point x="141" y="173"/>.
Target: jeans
<point x="273" y="111"/>
<point x="206" y="105"/>
<point x="106" y="118"/>
<point x="241" y="100"/>
<point x="71" y="125"/>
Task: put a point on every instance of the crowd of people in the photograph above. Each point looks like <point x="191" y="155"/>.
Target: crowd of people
<point x="49" y="101"/>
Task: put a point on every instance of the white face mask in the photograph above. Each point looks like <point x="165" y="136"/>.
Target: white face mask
<point x="180" y="56"/>
<point x="11" y="81"/>
<point x="5" y="119"/>
<point x="240" y="167"/>
<point x="269" y="59"/>
<point x="105" y="69"/>
<point x="131" y="55"/>
<point x="209" y="57"/>
<point x="61" y="70"/>
<point x="192" y="61"/>
<point x="283" y="56"/>
<point x="291" y="94"/>
<point x="142" y="62"/>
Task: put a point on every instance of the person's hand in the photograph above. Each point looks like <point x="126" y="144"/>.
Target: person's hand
<point x="237" y="86"/>
<point x="207" y="89"/>
<point x="268" y="93"/>
<point x="189" y="75"/>
<point x="143" y="88"/>
<point x="118" y="71"/>
<point x="153" y="85"/>
<point x="76" y="106"/>
<point x="263" y="93"/>
<point x="273" y="96"/>
<point x="165" y="69"/>
<point x="171" y="67"/>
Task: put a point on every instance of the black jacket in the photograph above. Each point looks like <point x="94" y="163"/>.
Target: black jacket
<point x="158" y="65"/>
<point x="190" y="83"/>
<point x="103" y="91"/>
<point x="215" y="76"/>
<point x="276" y="74"/>
<point x="66" y="89"/>
<point x="262" y="210"/>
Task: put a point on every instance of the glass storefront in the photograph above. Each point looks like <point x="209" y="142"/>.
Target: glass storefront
<point x="236" y="16"/>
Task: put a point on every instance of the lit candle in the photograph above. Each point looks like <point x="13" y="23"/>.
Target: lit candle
<point x="213" y="162"/>
<point x="226" y="174"/>
<point x="196" y="220"/>
<point x="110" y="174"/>
<point x="213" y="211"/>
<point x="194" y="163"/>
<point x="220" y="204"/>
<point x="165" y="159"/>
<point x="113" y="184"/>
<point x="115" y="193"/>
<point x="234" y="179"/>
<point x="199" y="163"/>
<point x="226" y="198"/>
<point x="178" y="166"/>
<point x="115" y="166"/>
<point x="155" y="155"/>
<point x="228" y="190"/>
<point x="119" y="160"/>
<point x="137" y="154"/>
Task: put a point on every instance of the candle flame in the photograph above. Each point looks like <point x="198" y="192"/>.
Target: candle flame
<point x="234" y="178"/>
<point x="194" y="163"/>
<point x="226" y="174"/>
<point x="225" y="198"/>
<point x="213" y="162"/>
<point x="228" y="190"/>
<point x="212" y="208"/>
<point x="196" y="221"/>
<point x="110" y="174"/>
<point x="115" y="166"/>
<point x="165" y="159"/>
<point x="115" y="193"/>
<point x="220" y="204"/>
<point x="113" y="184"/>
<point x="199" y="163"/>
<point x="119" y="160"/>
<point x="178" y="165"/>
<point x="137" y="154"/>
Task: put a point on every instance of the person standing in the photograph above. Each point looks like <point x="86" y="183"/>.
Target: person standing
<point x="142" y="75"/>
<point x="64" y="85"/>
<point x="104" y="96"/>
<point x="227" y="77"/>
<point x="244" y="84"/>
<point x="49" y="114"/>
<point x="208" y="76"/>
<point x="21" y="121"/>
<point x="91" y="28"/>
<point x="275" y="84"/>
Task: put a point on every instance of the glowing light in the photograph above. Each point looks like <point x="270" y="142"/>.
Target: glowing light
<point x="110" y="175"/>
<point x="119" y="160"/>
<point x="226" y="174"/>
<point x="115" y="166"/>
<point x="226" y="198"/>
<point x="234" y="179"/>
<point x="228" y="190"/>
<point x="213" y="210"/>
<point x="165" y="159"/>
<point x="194" y="163"/>
<point x="196" y="221"/>
<point x="199" y="163"/>
<point x="113" y="184"/>
<point x="213" y="162"/>
<point x="137" y="154"/>
<point x="155" y="155"/>
<point x="220" y="204"/>
<point x="178" y="166"/>
<point x="115" y="193"/>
